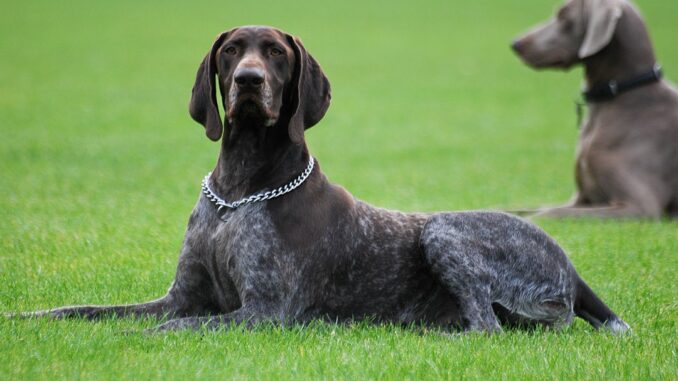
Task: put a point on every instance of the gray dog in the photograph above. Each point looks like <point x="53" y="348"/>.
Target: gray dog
<point x="300" y="248"/>
<point x="627" y="157"/>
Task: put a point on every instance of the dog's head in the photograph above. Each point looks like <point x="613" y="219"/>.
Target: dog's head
<point x="266" y="79"/>
<point x="580" y="29"/>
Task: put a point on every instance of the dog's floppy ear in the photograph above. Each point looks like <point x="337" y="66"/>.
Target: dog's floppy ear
<point x="603" y="16"/>
<point x="310" y="92"/>
<point x="203" y="106"/>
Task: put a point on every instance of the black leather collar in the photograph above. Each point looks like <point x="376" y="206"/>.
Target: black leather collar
<point x="608" y="91"/>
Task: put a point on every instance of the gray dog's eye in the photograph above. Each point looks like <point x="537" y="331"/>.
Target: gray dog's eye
<point x="230" y="50"/>
<point x="276" y="52"/>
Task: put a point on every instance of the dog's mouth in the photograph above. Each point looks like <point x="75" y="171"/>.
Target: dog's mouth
<point x="560" y="64"/>
<point x="556" y="61"/>
<point x="251" y="107"/>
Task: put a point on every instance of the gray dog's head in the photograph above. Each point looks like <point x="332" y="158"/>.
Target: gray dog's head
<point x="580" y="29"/>
<point x="266" y="79"/>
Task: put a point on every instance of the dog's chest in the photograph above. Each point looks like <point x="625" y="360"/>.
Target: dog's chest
<point x="586" y="179"/>
<point x="249" y="252"/>
<point x="245" y="233"/>
<point x="592" y="143"/>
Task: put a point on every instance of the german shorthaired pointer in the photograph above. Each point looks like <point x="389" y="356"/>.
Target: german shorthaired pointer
<point x="627" y="156"/>
<point x="309" y="250"/>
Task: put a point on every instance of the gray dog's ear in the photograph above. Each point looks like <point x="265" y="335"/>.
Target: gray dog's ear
<point x="310" y="92"/>
<point x="203" y="106"/>
<point x="603" y="16"/>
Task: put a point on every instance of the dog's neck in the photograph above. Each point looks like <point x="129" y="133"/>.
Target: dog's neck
<point x="628" y="55"/>
<point x="254" y="158"/>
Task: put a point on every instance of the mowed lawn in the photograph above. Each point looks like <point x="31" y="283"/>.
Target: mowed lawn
<point x="100" y="167"/>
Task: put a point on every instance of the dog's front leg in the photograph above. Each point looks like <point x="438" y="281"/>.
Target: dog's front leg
<point x="632" y="194"/>
<point x="157" y="308"/>
<point x="577" y="200"/>
<point x="245" y="315"/>
<point x="191" y="294"/>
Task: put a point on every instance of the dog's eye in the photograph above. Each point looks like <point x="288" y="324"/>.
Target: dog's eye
<point x="230" y="50"/>
<point x="562" y="13"/>
<point x="276" y="52"/>
<point x="567" y="25"/>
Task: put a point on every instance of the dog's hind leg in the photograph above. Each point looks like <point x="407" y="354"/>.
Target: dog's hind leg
<point x="492" y="258"/>
<point x="458" y="265"/>
<point x="473" y="296"/>
<point x="477" y="312"/>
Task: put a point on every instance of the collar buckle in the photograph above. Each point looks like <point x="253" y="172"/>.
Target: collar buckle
<point x="657" y="70"/>
<point x="610" y="90"/>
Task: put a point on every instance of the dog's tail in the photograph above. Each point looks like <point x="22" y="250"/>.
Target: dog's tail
<point x="589" y="307"/>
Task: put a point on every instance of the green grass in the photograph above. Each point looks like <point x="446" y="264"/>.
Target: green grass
<point x="100" y="166"/>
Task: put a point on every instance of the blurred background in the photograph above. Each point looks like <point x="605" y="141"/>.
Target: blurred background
<point x="430" y="108"/>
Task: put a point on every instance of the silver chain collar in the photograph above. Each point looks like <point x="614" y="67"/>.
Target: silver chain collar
<point x="263" y="196"/>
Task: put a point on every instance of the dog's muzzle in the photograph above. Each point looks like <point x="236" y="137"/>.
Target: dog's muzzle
<point x="250" y="96"/>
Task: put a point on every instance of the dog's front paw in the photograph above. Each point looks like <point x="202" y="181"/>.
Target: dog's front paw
<point x="80" y="312"/>
<point x="175" y="325"/>
<point x="28" y="315"/>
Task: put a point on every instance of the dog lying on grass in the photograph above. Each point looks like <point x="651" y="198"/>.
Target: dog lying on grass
<point x="290" y="247"/>
<point x="627" y="156"/>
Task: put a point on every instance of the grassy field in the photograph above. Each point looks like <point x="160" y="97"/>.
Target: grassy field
<point x="100" y="166"/>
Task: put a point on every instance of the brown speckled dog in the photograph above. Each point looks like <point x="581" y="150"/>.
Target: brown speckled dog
<point x="316" y="252"/>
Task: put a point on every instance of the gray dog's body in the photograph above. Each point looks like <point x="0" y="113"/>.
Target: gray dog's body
<point x="319" y="253"/>
<point x="627" y="156"/>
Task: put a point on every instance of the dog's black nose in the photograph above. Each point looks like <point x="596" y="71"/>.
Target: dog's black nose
<point x="249" y="77"/>
<point x="517" y="45"/>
